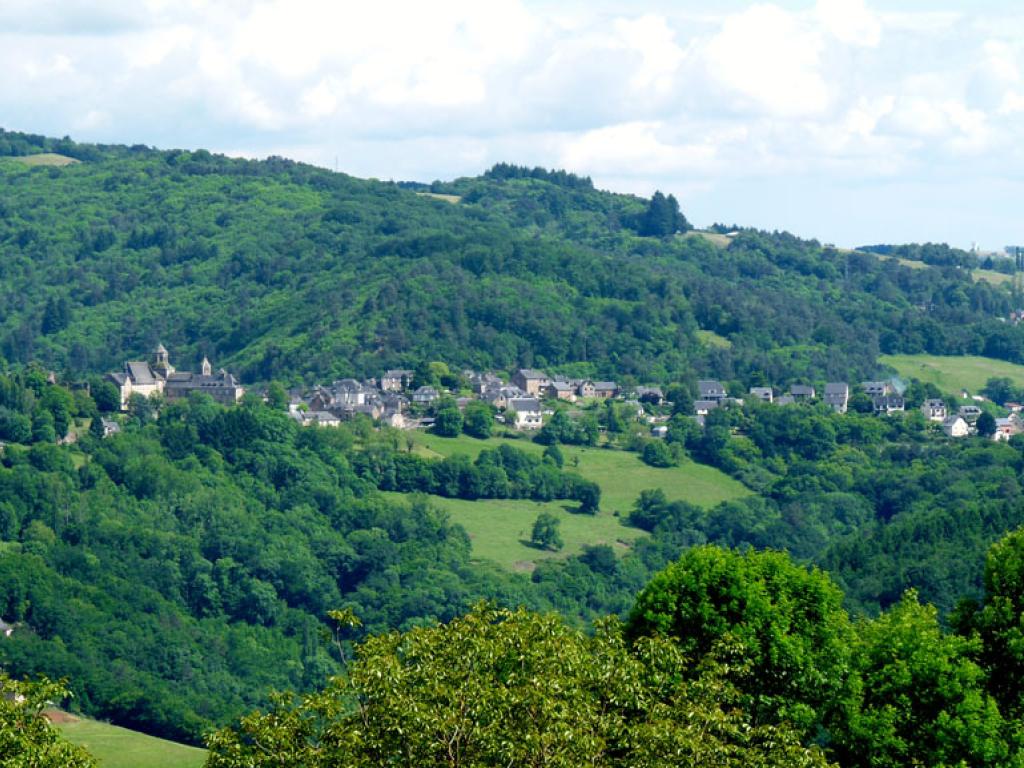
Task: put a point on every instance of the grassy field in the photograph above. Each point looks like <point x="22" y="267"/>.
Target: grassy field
<point x="48" y="159"/>
<point x="951" y="374"/>
<point x="712" y="339"/>
<point x="500" y="529"/>
<point x="991" y="276"/>
<point x="908" y="262"/>
<point x="620" y="474"/>
<point x="115" y="747"/>
<point x="453" y="199"/>
<point x="715" y="238"/>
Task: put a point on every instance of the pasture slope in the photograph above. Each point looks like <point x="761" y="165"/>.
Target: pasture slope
<point x="115" y="747"/>
<point x="953" y="374"/>
<point x="500" y="528"/>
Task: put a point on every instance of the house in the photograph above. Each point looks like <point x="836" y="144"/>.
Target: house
<point x="395" y="420"/>
<point x="585" y="389"/>
<point x="837" y="396"/>
<point x="934" y="410"/>
<point x="6" y="630"/>
<point x="396" y="379"/>
<point x="314" y="418"/>
<point x="970" y="413"/>
<point x="711" y="389"/>
<point x="137" y="378"/>
<point x="160" y="378"/>
<point x="530" y="381"/>
<point x="560" y="390"/>
<point x="785" y="400"/>
<point x="110" y="427"/>
<point x="500" y="396"/>
<point x="372" y="411"/>
<point x="481" y="382"/>
<point x="889" y="404"/>
<point x="652" y="395"/>
<point x="393" y="402"/>
<point x="526" y="413"/>
<point x="605" y="389"/>
<point x="875" y="389"/>
<point x="1007" y="428"/>
<point x="802" y="392"/>
<point x="425" y="396"/>
<point x="955" y="426"/>
<point x="660" y="431"/>
<point x="702" y="407"/>
<point x="764" y="394"/>
<point x="1014" y="407"/>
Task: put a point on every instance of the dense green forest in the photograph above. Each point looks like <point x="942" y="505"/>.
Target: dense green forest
<point x="181" y="570"/>
<point x="282" y="270"/>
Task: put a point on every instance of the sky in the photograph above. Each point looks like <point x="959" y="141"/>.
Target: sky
<point x="852" y="121"/>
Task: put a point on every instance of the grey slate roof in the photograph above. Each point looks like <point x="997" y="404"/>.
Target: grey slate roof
<point x="140" y="372"/>
<point x="524" y="405"/>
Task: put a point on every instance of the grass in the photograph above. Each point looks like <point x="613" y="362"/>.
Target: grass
<point x="621" y="474"/>
<point x="909" y="263"/>
<point x="988" y="275"/>
<point x="115" y="747"/>
<point x="991" y="276"/>
<point x="48" y="159"/>
<point x="712" y="339"/>
<point x="715" y="238"/>
<point x="952" y="374"/>
<point x="453" y="199"/>
<point x="500" y="529"/>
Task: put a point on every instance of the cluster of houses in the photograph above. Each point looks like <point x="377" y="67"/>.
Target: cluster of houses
<point x="396" y="400"/>
<point x="395" y="397"/>
<point x="885" y="400"/>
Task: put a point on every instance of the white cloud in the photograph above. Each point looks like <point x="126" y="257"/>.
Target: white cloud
<point x="850" y="21"/>
<point x="770" y="59"/>
<point x="637" y="149"/>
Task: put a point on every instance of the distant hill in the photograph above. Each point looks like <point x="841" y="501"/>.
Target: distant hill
<point x="285" y="271"/>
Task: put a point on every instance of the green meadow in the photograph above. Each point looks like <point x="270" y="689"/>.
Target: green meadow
<point x="500" y="528"/>
<point x="115" y="747"/>
<point x="952" y="374"/>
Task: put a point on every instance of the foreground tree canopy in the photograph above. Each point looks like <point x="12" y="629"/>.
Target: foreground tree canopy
<point x="499" y="687"/>
<point x="728" y="659"/>
<point x="27" y="740"/>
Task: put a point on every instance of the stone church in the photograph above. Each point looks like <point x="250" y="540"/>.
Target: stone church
<point x="158" y="377"/>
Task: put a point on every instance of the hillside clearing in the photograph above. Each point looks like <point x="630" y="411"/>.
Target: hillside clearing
<point x="499" y="529"/>
<point x="49" y="159"/>
<point x="952" y="374"/>
<point x="453" y="199"/>
<point x="712" y="339"/>
<point x="715" y="238"/>
<point x="991" y="276"/>
<point x="115" y="747"/>
<point x="621" y="474"/>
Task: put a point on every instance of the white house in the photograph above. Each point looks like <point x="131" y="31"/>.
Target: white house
<point x="526" y="413"/>
<point x="955" y="426"/>
<point x="934" y="410"/>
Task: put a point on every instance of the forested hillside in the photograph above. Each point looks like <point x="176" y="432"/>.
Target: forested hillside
<point x="282" y="270"/>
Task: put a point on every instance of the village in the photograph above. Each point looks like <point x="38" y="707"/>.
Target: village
<point x="399" y="400"/>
